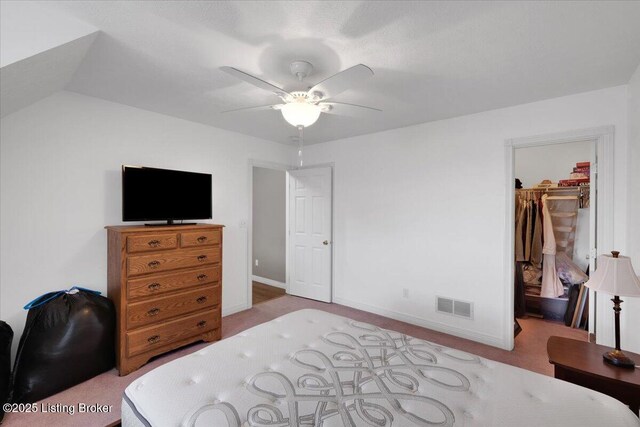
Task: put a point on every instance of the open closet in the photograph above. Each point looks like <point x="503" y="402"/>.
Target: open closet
<point x="553" y="233"/>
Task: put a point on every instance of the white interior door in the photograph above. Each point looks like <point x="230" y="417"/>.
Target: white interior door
<point x="310" y="233"/>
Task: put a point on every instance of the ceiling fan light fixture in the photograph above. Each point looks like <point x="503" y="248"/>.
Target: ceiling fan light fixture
<point x="300" y="113"/>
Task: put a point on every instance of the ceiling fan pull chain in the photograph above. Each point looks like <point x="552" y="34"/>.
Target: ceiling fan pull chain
<point x="300" y="144"/>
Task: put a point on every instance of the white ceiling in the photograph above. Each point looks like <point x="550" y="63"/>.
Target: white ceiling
<point x="432" y="60"/>
<point x="36" y="77"/>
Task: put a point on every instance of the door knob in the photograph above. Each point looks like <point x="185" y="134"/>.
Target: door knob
<point x="326" y="242"/>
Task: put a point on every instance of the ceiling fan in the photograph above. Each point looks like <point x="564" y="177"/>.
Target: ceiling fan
<point x="303" y="108"/>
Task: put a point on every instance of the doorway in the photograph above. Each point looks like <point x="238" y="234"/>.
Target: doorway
<point x="290" y="236"/>
<point x="268" y="237"/>
<point x="601" y="215"/>
<point x="554" y="239"/>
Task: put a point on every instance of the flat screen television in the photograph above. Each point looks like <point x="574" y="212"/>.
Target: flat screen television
<point x="152" y="194"/>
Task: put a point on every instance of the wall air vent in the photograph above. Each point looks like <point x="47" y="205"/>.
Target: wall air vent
<point x="454" y="307"/>
<point x="445" y="305"/>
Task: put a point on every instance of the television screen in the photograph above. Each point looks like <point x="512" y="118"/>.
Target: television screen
<point x="151" y="194"/>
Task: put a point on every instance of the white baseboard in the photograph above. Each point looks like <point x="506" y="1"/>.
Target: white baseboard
<point x="269" y="282"/>
<point x="226" y="311"/>
<point x="429" y="324"/>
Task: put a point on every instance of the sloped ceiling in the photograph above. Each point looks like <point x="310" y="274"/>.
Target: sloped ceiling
<point x="32" y="79"/>
<point x="40" y="50"/>
<point x="432" y="60"/>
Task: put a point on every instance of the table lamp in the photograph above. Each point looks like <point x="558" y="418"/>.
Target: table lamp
<point x="615" y="276"/>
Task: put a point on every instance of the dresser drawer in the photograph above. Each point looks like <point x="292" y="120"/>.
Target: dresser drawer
<point x="163" y="261"/>
<point x="161" y="284"/>
<point x="152" y="242"/>
<point x="162" y="308"/>
<point x="149" y="338"/>
<point x="200" y="238"/>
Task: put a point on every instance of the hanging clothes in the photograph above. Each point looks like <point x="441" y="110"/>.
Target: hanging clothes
<point x="519" y="308"/>
<point x="520" y="227"/>
<point x="564" y="213"/>
<point x="551" y="284"/>
<point x="536" y="243"/>
<point x="528" y="230"/>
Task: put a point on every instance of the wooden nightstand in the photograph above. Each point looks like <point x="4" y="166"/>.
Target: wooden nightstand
<point x="581" y="363"/>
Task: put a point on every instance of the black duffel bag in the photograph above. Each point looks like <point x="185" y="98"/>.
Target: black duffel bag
<point x="6" y="337"/>
<point x="68" y="338"/>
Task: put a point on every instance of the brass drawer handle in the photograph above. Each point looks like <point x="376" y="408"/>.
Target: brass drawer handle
<point x="202" y="239"/>
<point x="153" y="264"/>
<point x="202" y="323"/>
<point x="154" y="243"/>
<point x="153" y="339"/>
<point x="153" y="311"/>
<point x="202" y="276"/>
<point x="202" y="258"/>
<point x="201" y="300"/>
<point x="154" y="286"/>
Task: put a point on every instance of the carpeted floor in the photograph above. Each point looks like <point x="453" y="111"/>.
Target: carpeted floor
<point x="106" y="389"/>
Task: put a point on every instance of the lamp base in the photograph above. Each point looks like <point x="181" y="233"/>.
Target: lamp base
<point x="618" y="358"/>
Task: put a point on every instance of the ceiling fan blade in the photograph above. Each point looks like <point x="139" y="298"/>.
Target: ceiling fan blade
<point x="342" y="81"/>
<point x="255" y="108"/>
<point x="254" y="81"/>
<point x="343" y="108"/>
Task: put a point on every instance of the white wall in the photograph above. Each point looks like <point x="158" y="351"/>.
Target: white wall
<point x="269" y="223"/>
<point x="60" y="185"/>
<point x="423" y="208"/>
<point x="631" y="306"/>
<point x="556" y="162"/>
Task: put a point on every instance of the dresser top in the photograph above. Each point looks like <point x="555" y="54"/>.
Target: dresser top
<point x="157" y="228"/>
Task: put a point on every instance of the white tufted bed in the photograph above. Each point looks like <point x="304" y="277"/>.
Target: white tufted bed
<point x="312" y="368"/>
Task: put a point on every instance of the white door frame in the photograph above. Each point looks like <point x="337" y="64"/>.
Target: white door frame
<point x="604" y="139"/>
<point x="330" y="165"/>
<point x="266" y="165"/>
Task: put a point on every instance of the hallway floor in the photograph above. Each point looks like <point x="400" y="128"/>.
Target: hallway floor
<point x="262" y="292"/>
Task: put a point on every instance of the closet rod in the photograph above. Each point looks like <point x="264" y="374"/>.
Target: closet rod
<point x="554" y="188"/>
<point x="578" y="192"/>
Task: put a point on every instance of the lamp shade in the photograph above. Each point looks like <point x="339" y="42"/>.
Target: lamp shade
<point x="615" y="276"/>
<point x="300" y="113"/>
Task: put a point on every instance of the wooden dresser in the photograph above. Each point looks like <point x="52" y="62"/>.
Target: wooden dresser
<point x="166" y="284"/>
